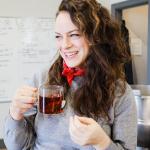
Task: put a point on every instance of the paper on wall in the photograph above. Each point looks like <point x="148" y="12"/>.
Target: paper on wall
<point x="26" y="45"/>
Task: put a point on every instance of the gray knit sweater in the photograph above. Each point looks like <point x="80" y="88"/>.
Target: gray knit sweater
<point x="36" y="132"/>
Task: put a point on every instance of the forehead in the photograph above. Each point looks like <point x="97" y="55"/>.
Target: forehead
<point x="64" y="23"/>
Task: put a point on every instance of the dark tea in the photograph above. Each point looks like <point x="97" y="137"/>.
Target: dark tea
<point x="50" y="105"/>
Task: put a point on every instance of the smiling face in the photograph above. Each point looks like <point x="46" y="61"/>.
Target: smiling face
<point x="72" y="45"/>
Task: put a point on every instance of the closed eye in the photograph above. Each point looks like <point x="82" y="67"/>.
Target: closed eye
<point x="57" y="36"/>
<point x="75" y="35"/>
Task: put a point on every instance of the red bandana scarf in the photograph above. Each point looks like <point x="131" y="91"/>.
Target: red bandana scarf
<point x="70" y="73"/>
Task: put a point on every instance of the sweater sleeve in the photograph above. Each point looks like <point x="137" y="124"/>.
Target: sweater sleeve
<point x="20" y="135"/>
<point x="124" y="129"/>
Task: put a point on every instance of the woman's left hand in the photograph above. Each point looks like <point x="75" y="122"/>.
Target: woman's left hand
<point x="86" y="131"/>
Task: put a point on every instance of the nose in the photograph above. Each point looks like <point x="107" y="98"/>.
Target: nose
<point x="66" y="42"/>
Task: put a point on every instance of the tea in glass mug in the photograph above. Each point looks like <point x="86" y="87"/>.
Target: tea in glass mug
<point x="51" y="99"/>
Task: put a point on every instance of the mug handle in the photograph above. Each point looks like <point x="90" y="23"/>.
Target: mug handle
<point x="63" y="104"/>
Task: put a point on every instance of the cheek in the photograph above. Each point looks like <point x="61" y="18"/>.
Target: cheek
<point x="86" y="50"/>
<point x="83" y="45"/>
<point x="58" y="44"/>
<point x="78" y="44"/>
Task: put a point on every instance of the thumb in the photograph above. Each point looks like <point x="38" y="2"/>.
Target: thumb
<point x="85" y="120"/>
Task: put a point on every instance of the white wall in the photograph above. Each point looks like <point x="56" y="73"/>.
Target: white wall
<point x="25" y="8"/>
<point x="113" y="2"/>
<point x="104" y="2"/>
<point x="116" y="1"/>
<point x="3" y="112"/>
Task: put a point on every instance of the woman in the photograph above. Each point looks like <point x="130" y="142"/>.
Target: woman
<point x="100" y="112"/>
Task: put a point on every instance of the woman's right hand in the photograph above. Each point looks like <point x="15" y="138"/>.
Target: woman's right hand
<point x="24" y="99"/>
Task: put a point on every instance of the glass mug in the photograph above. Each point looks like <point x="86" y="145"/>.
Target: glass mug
<point x="50" y="99"/>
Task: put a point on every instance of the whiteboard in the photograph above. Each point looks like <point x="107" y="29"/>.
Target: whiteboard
<point x="26" y="45"/>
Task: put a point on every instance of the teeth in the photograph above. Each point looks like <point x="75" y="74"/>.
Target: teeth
<point x="70" y="54"/>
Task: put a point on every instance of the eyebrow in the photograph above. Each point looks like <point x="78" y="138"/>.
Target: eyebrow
<point x="69" y="31"/>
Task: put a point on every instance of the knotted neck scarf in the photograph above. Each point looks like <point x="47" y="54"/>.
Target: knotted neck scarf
<point x="70" y="73"/>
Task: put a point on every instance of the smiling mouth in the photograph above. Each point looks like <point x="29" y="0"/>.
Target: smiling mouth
<point x="71" y="54"/>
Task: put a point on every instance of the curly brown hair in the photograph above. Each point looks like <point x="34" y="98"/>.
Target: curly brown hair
<point x="104" y="64"/>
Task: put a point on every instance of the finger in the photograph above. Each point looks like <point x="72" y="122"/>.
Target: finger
<point x="85" y="120"/>
<point x="29" y="88"/>
<point x="82" y="128"/>
<point x="22" y="105"/>
<point x="76" y="135"/>
<point x="25" y="99"/>
<point x="78" y="123"/>
<point x="21" y="111"/>
<point x="27" y="92"/>
<point x="75" y="131"/>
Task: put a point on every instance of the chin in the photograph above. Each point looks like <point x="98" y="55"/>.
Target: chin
<point x="72" y="65"/>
